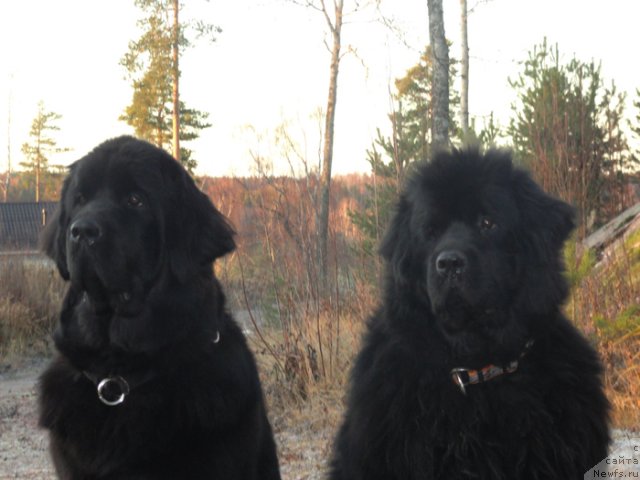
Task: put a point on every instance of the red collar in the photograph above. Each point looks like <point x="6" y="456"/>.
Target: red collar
<point x="463" y="377"/>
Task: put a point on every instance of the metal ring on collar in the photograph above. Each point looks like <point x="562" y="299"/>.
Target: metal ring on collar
<point x="118" y="381"/>
<point x="456" y="373"/>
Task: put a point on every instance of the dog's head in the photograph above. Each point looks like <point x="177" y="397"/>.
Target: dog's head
<point x="479" y="242"/>
<point x="129" y="213"/>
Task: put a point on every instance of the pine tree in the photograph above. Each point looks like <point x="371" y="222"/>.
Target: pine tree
<point x="567" y="131"/>
<point x="634" y="126"/>
<point x="40" y="146"/>
<point x="152" y="67"/>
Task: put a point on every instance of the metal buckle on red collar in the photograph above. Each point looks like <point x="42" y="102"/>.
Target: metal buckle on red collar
<point x="486" y="373"/>
<point x="456" y="374"/>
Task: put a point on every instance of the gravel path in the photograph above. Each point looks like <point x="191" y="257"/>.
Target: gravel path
<point x="23" y="447"/>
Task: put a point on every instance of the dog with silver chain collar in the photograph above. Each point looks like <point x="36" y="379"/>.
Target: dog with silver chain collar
<point x="154" y="379"/>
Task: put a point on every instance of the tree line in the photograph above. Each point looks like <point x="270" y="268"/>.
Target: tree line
<point x="567" y="124"/>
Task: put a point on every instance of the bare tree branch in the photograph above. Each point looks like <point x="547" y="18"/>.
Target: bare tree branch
<point x="478" y="3"/>
<point x="391" y="24"/>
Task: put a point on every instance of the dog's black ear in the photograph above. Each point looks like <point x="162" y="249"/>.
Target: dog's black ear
<point x="547" y="222"/>
<point x="545" y="216"/>
<point x="396" y="245"/>
<point x="52" y="238"/>
<point x="196" y="232"/>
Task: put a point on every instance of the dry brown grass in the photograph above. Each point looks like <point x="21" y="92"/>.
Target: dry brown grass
<point x="605" y="305"/>
<point x="30" y="296"/>
<point x="622" y="378"/>
<point x="306" y="400"/>
<point x="306" y="363"/>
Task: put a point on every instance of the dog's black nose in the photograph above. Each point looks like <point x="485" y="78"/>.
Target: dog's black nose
<point x="451" y="262"/>
<point x="86" y="230"/>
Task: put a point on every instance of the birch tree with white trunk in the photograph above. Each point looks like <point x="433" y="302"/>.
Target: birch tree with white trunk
<point x="440" y="49"/>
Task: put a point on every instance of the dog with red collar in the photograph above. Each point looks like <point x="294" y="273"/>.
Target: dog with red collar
<point x="469" y="368"/>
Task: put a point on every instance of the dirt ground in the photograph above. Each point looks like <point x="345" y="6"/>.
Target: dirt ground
<point x="23" y="447"/>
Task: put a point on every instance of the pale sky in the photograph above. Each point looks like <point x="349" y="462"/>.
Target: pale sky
<point x="269" y="67"/>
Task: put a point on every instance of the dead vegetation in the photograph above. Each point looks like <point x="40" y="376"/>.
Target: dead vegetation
<point x="605" y="305"/>
<point x="30" y="296"/>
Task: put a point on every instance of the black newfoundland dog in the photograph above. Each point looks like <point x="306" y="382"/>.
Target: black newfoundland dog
<point x="154" y="379"/>
<point x="469" y="370"/>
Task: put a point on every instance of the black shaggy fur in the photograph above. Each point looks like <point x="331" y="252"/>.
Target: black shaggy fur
<point x="474" y="272"/>
<point x="136" y="239"/>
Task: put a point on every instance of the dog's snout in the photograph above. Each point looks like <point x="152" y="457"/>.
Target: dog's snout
<point x="451" y="262"/>
<point x="85" y="230"/>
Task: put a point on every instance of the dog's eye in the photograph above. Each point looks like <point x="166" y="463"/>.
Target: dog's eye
<point x="487" y="224"/>
<point x="79" y="199"/>
<point x="134" y="200"/>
